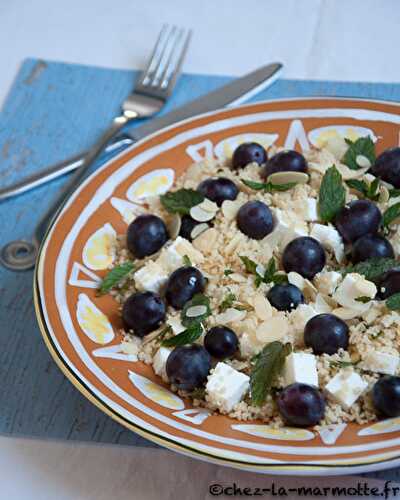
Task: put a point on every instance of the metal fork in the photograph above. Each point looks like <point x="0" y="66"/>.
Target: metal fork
<point x="148" y="97"/>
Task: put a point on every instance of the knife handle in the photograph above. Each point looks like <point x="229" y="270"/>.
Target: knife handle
<point x="117" y="145"/>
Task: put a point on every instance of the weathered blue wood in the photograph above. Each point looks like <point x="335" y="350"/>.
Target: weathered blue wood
<point x="54" y="110"/>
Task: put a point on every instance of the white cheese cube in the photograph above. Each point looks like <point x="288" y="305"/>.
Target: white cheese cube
<point x="346" y="387"/>
<point x="353" y="287"/>
<point x="381" y="362"/>
<point x="160" y="361"/>
<point x="150" y="277"/>
<point x="327" y="281"/>
<point x="311" y="212"/>
<point x="300" y="367"/>
<point x="172" y="256"/>
<point x="226" y="387"/>
<point x="329" y="239"/>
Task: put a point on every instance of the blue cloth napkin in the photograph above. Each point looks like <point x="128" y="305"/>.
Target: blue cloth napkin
<point x="54" y="110"/>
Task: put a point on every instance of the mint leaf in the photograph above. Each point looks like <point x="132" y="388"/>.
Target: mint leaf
<point x="332" y="195"/>
<point x="363" y="299"/>
<point x="160" y="337"/>
<point x="369" y="191"/>
<point x="115" y="276"/>
<point x="372" y="269"/>
<point x="363" y="146"/>
<point x="394" y="193"/>
<point x="249" y="264"/>
<point x="342" y="364"/>
<point x="227" y="272"/>
<point x="228" y="302"/>
<point x="268" y="187"/>
<point x="181" y="201"/>
<point x="198" y="300"/>
<point x="188" y="336"/>
<point x="393" y="302"/>
<point x="186" y="260"/>
<point x="391" y="214"/>
<point x="268" y="366"/>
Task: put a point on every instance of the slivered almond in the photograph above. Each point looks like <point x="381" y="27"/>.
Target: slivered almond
<point x="287" y="177"/>
<point x="362" y="161"/>
<point x="201" y="215"/>
<point x="273" y="329"/>
<point x="197" y="230"/>
<point x="230" y="209"/>
<point x="231" y="315"/>
<point x="206" y="241"/>
<point x="296" y="279"/>
<point x="195" y="311"/>
<point x="208" y="206"/>
<point x="174" y="226"/>
<point x="262" y="307"/>
<point x="347" y="173"/>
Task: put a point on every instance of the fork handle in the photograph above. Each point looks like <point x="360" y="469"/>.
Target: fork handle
<point x="20" y="255"/>
<point x="93" y="153"/>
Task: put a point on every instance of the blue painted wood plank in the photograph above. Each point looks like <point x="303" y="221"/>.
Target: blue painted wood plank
<point x="54" y="110"/>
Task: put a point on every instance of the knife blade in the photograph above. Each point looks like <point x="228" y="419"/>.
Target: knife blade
<point x="231" y="94"/>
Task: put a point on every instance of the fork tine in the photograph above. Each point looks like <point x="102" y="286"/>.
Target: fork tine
<point x="174" y="65"/>
<point x="155" y="56"/>
<point x="172" y="60"/>
<point x="165" y="56"/>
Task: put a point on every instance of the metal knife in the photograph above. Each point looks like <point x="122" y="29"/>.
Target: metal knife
<point x="234" y="93"/>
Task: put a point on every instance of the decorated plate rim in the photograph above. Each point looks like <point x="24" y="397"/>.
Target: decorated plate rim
<point x="74" y="376"/>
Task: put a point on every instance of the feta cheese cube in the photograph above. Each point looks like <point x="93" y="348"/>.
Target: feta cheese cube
<point x="346" y="387"/>
<point x="381" y="362"/>
<point x="171" y="257"/>
<point x="300" y="367"/>
<point x="150" y="277"/>
<point x="160" y="361"/>
<point x="352" y="287"/>
<point x="327" y="281"/>
<point x="226" y="387"/>
<point x="329" y="239"/>
<point x="310" y="211"/>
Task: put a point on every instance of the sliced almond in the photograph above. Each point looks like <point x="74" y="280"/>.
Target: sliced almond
<point x="262" y="307"/>
<point x="195" y="311"/>
<point x="287" y="177"/>
<point x="208" y="206"/>
<point x="197" y="213"/>
<point x="366" y="288"/>
<point x="197" y="230"/>
<point x="296" y="279"/>
<point x="345" y="313"/>
<point x="347" y="173"/>
<point x="231" y="315"/>
<point x="230" y="209"/>
<point x="238" y="278"/>
<point x="273" y="329"/>
<point x="206" y="241"/>
<point x="384" y="194"/>
<point x="362" y="161"/>
<point x="174" y="226"/>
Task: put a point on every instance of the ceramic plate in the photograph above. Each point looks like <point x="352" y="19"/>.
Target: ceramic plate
<point x="80" y="329"/>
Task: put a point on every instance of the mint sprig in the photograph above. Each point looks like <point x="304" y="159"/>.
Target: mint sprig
<point x="227" y="302"/>
<point x="391" y="214"/>
<point x="332" y="195"/>
<point x="268" y="187"/>
<point x="267" y="367"/>
<point x="188" y="336"/>
<point x="115" y="276"/>
<point x="363" y="146"/>
<point x="270" y="275"/>
<point x="372" y="269"/>
<point x="369" y="191"/>
<point x="181" y="201"/>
